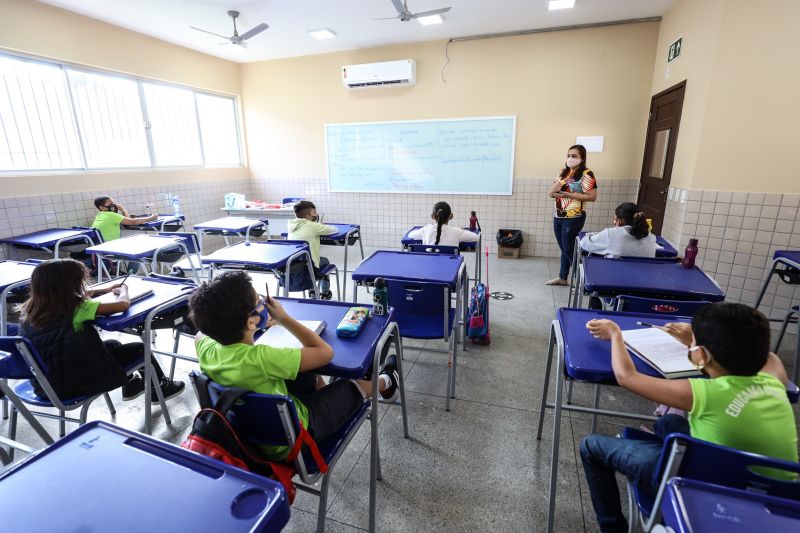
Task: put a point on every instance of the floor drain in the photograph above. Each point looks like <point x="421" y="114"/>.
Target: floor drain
<point x="502" y="296"/>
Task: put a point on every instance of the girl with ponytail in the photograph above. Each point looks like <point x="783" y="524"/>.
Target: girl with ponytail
<point x="630" y="236"/>
<point x="441" y="233"/>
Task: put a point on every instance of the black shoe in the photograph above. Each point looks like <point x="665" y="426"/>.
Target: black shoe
<point x="392" y="392"/>
<point x="169" y="389"/>
<point x="326" y="296"/>
<point x="133" y="388"/>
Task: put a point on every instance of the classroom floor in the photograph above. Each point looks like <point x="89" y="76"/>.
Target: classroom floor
<point x="476" y="468"/>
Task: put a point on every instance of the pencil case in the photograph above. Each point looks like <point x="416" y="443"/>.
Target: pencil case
<point x="353" y="321"/>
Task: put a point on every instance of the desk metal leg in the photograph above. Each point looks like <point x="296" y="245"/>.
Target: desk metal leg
<point x="344" y="281"/>
<point x="551" y="506"/>
<point x="546" y="386"/>
<point x="21" y="409"/>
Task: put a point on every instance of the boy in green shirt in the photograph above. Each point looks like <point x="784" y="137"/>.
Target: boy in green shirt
<point x="306" y="227"/>
<point x="228" y="312"/>
<point x="743" y="405"/>
<point x="111" y="215"/>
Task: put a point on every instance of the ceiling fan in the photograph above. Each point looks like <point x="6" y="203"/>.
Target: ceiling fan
<point x="405" y="15"/>
<point x="237" y="39"/>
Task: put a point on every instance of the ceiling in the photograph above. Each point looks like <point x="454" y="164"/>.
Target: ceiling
<point x="290" y="20"/>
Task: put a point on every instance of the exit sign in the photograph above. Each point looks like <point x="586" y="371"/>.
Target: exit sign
<point x="675" y="49"/>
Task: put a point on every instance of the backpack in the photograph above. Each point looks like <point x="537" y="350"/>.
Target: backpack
<point x="478" y="325"/>
<point x="213" y="436"/>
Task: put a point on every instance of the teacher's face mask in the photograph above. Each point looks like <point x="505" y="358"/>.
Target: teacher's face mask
<point x="573" y="162"/>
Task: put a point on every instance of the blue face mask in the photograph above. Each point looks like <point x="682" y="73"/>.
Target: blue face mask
<point x="261" y="311"/>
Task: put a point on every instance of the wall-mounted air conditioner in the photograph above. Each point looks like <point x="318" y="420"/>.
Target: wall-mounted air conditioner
<point x="384" y="74"/>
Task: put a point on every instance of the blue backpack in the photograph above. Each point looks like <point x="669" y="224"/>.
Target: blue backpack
<point x="478" y="324"/>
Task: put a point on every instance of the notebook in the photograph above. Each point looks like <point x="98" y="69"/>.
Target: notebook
<point x="137" y="290"/>
<point x="279" y="337"/>
<point x="661" y="351"/>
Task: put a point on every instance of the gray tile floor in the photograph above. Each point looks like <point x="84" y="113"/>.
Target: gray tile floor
<point x="478" y="467"/>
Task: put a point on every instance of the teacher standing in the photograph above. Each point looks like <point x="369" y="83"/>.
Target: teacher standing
<point x="574" y="186"/>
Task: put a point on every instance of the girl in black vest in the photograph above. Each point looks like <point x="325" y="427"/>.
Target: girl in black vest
<point x="77" y="362"/>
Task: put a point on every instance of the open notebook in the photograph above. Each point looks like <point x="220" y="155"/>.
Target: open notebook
<point x="279" y="337"/>
<point x="661" y="351"/>
<point x="137" y="289"/>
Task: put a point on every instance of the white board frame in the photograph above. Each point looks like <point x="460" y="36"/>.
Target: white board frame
<point x="382" y="122"/>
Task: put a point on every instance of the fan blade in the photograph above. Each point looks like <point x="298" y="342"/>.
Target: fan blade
<point x="431" y="12"/>
<point x="399" y="5"/>
<point x="388" y="18"/>
<point x="255" y="31"/>
<point x="210" y="32"/>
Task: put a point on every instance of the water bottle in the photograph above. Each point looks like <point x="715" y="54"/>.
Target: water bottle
<point x="473" y="221"/>
<point x="690" y="254"/>
<point x="380" y="297"/>
<point x="176" y="206"/>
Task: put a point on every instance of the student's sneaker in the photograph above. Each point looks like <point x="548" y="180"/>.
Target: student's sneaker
<point x="133" y="388"/>
<point x="326" y="295"/>
<point x="392" y="379"/>
<point x="169" y="389"/>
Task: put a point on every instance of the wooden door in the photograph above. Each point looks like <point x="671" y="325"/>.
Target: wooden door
<point x="659" y="153"/>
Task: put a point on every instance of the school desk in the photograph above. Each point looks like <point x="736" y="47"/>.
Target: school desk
<point x="14" y="275"/>
<point x="665" y="248"/>
<point x="166" y="308"/>
<point x="272" y="255"/>
<point x="785" y="263"/>
<point x="160" y="224"/>
<point x="465" y="246"/>
<point x="227" y="226"/>
<point x="142" y="249"/>
<point x="49" y="240"/>
<point x="102" y="477"/>
<point x="277" y="217"/>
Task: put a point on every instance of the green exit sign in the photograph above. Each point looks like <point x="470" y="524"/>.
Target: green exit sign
<point x="675" y="49"/>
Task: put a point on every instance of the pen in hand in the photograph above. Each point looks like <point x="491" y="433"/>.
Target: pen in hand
<point x="647" y="324"/>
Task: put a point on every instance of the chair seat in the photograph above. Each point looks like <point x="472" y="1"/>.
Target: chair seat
<point x="26" y="393"/>
<point x="330" y="447"/>
<point x="327" y="269"/>
<point x="423" y="327"/>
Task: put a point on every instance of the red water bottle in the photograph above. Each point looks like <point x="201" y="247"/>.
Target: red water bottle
<point x="473" y="221"/>
<point x="690" y="254"/>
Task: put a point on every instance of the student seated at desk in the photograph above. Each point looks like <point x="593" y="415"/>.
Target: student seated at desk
<point x="78" y="362"/>
<point x="743" y="405"/>
<point x="227" y="312"/>
<point x="441" y="233"/>
<point x="111" y="215"/>
<point x="630" y="236"/>
<point x="306" y="227"/>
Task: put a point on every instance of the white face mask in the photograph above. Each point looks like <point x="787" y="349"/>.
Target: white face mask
<point x="573" y="162"/>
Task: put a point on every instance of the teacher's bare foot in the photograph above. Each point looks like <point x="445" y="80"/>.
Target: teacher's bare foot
<point x="556" y="281"/>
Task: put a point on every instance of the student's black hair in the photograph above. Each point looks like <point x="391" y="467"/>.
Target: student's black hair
<point x="736" y="335"/>
<point x="628" y="213"/>
<point x="442" y="214"/>
<point x="57" y="288"/>
<point x="302" y="208"/>
<point x="100" y="201"/>
<point x="220" y="308"/>
<point x="580" y="168"/>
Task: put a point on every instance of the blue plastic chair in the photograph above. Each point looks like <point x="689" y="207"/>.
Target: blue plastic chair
<point x="639" y="304"/>
<point x="795" y="310"/>
<point x="434" y="249"/>
<point x="687" y="457"/>
<point x="271" y="420"/>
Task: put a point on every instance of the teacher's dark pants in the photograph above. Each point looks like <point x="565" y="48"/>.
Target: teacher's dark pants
<point x="566" y="230"/>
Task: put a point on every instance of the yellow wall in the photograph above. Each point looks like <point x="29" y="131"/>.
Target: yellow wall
<point x="42" y="30"/>
<point x="559" y="85"/>
<point x="739" y="59"/>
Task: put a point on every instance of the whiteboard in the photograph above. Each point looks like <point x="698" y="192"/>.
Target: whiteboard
<point x="448" y="156"/>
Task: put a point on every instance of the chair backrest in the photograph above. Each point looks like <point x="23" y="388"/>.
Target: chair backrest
<point x="95" y="234"/>
<point x="12" y="363"/>
<point x="292" y="200"/>
<point x="37" y="368"/>
<point x="188" y="238"/>
<point x="433" y="249"/>
<point x="638" y="304"/>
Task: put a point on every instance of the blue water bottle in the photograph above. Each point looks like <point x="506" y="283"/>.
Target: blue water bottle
<point x="380" y="297"/>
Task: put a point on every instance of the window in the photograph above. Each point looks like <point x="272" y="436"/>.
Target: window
<point x="55" y="117"/>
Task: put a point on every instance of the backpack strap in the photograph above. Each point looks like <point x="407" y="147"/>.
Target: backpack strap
<point x="305" y="438"/>
<point x="200" y="382"/>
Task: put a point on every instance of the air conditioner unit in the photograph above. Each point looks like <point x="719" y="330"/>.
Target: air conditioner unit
<point x="384" y="74"/>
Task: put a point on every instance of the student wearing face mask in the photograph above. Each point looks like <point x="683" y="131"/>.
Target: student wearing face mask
<point x="574" y="186"/>
<point x="111" y="215"/>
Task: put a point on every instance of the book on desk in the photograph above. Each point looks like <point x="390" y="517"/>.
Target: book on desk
<point x="278" y="336"/>
<point x="661" y="351"/>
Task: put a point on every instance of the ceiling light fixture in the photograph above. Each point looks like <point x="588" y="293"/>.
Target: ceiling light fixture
<point x="560" y="4"/>
<point x="322" y="34"/>
<point x="431" y="19"/>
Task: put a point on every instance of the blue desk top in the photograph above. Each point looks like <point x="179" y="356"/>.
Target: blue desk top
<point x="468" y="245"/>
<point x="101" y="477"/>
<point x="12" y="272"/>
<point x="610" y="277"/>
<point x="46" y="238"/>
<point x="589" y="359"/>
<point x="666" y="250"/>
<point x="135" y="247"/>
<point x="233" y="224"/>
<point x="788" y="256"/>
<point x="352" y="357"/>
<point x="340" y="235"/>
<point x="273" y="254"/>
<point x="693" y="506"/>
<point x="410" y="266"/>
<point x="154" y="224"/>
<point x="163" y="291"/>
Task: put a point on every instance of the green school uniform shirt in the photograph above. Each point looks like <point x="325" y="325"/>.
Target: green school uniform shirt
<point x="108" y="223"/>
<point x="301" y="229"/>
<point x="85" y="312"/>
<point x="258" y="368"/>
<point x="749" y="413"/>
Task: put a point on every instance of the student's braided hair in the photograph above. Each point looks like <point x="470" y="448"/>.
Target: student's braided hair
<point x="442" y="213"/>
<point x="628" y="213"/>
